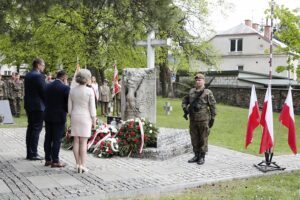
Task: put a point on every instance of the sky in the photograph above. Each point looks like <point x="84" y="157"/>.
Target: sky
<point x="246" y="9"/>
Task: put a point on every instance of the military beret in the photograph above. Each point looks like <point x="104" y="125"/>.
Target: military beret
<point x="199" y="76"/>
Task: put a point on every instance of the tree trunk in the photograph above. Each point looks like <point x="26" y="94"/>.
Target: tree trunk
<point x="101" y="76"/>
<point x="165" y="79"/>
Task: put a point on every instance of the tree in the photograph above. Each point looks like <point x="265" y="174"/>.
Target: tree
<point x="99" y="33"/>
<point x="289" y="33"/>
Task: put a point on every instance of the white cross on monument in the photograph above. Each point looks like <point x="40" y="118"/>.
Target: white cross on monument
<point x="151" y="43"/>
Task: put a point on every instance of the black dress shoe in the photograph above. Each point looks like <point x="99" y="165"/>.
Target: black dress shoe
<point x="48" y="163"/>
<point x="36" y="158"/>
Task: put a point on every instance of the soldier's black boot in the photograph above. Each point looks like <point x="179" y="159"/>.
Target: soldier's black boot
<point x="194" y="159"/>
<point x="201" y="160"/>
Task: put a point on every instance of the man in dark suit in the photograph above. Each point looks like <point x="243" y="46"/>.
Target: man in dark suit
<point x="56" y="94"/>
<point x="34" y="106"/>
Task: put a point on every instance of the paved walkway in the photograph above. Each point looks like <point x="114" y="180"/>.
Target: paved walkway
<point x="116" y="177"/>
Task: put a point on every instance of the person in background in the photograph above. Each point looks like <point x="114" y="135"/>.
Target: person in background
<point x="49" y="78"/>
<point x="10" y="96"/>
<point x="104" y="97"/>
<point x="95" y="86"/>
<point x="17" y="93"/>
<point x="57" y="93"/>
<point x="82" y="110"/>
<point x="34" y="104"/>
<point x="89" y="84"/>
<point x="2" y="89"/>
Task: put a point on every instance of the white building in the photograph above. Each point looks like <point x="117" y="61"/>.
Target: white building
<point x="7" y="70"/>
<point x="244" y="48"/>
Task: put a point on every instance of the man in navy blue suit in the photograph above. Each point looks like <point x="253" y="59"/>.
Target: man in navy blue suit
<point x="56" y="95"/>
<point x="34" y="99"/>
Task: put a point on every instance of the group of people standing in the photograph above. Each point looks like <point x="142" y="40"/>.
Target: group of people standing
<point x="13" y="91"/>
<point x="52" y="103"/>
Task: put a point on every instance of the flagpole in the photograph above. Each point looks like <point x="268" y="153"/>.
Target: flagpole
<point x="268" y="165"/>
<point x="271" y="150"/>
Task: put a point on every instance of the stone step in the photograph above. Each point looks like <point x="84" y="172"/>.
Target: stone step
<point x="170" y="143"/>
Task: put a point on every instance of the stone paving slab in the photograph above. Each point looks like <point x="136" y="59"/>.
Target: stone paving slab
<point x="4" y="188"/>
<point x="117" y="177"/>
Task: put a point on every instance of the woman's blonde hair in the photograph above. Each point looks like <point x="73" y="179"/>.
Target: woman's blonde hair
<point x="83" y="76"/>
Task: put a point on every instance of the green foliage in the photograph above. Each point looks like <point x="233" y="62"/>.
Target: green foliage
<point x="99" y="33"/>
<point x="288" y="32"/>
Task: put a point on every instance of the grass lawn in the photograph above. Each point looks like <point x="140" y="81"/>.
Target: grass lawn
<point x="281" y="186"/>
<point x="229" y="129"/>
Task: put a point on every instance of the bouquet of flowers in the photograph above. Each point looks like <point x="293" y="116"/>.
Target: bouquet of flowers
<point x="134" y="135"/>
<point x="102" y="133"/>
<point x="107" y="148"/>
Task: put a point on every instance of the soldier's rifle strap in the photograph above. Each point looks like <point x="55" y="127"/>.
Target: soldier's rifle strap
<point x="198" y="95"/>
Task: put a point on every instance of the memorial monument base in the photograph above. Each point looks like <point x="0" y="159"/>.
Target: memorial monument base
<point x="170" y="143"/>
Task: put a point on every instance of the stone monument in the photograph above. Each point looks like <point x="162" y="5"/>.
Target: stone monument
<point x="138" y="94"/>
<point x="6" y="112"/>
<point x="138" y="99"/>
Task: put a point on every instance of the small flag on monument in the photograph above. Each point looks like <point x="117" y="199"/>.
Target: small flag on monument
<point x="253" y="117"/>
<point x="288" y="120"/>
<point x="267" y="140"/>
<point x="73" y="82"/>
<point x="117" y="86"/>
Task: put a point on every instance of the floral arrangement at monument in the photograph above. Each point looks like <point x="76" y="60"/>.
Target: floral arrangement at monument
<point x="107" y="148"/>
<point x="107" y="141"/>
<point x="101" y="134"/>
<point x="134" y="135"/>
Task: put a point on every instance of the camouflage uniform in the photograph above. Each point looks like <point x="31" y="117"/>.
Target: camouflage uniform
<point x="10" y="95"/>
<point x="2" y="90"/>
<point x="202" y="113"/>
<point x="18" y="93"/>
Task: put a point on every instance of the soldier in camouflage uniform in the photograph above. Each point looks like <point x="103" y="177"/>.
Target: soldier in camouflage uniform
<point x="200" y="104"/>
<point x="2" y="89"/>
<point x="18" y="93"/>
<point x="10" y="92"/>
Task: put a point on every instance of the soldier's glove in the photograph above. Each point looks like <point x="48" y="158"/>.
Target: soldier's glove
<point x="186" y="113"/>
<point x="211" y="123"/>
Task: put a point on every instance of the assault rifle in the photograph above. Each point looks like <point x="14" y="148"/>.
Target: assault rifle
<point x="187" y="112"/>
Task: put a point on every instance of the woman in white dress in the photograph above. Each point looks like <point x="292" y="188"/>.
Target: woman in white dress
<point x="81" y="107"/>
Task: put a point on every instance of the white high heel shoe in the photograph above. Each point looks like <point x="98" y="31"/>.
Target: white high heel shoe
<point x="83" y="169"/>
<point x="78" y="168"/>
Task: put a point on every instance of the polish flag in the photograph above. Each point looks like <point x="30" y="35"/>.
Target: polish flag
<point x="253" y="117"/>
<point x="117" y="86"/>
<point x="288" y="120"/>
<point x="267" y="140"/>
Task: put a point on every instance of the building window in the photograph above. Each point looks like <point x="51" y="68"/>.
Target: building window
<point x="240" y="67"/>
<point x="7" y="73"/>
<point x="236" y="45"/>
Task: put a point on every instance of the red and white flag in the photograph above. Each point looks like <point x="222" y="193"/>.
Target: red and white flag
<point x="267" y="140"/>
<point x="253" y="117"/>
<point x="117" y="86"/>
<point x="288" y="120"/>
